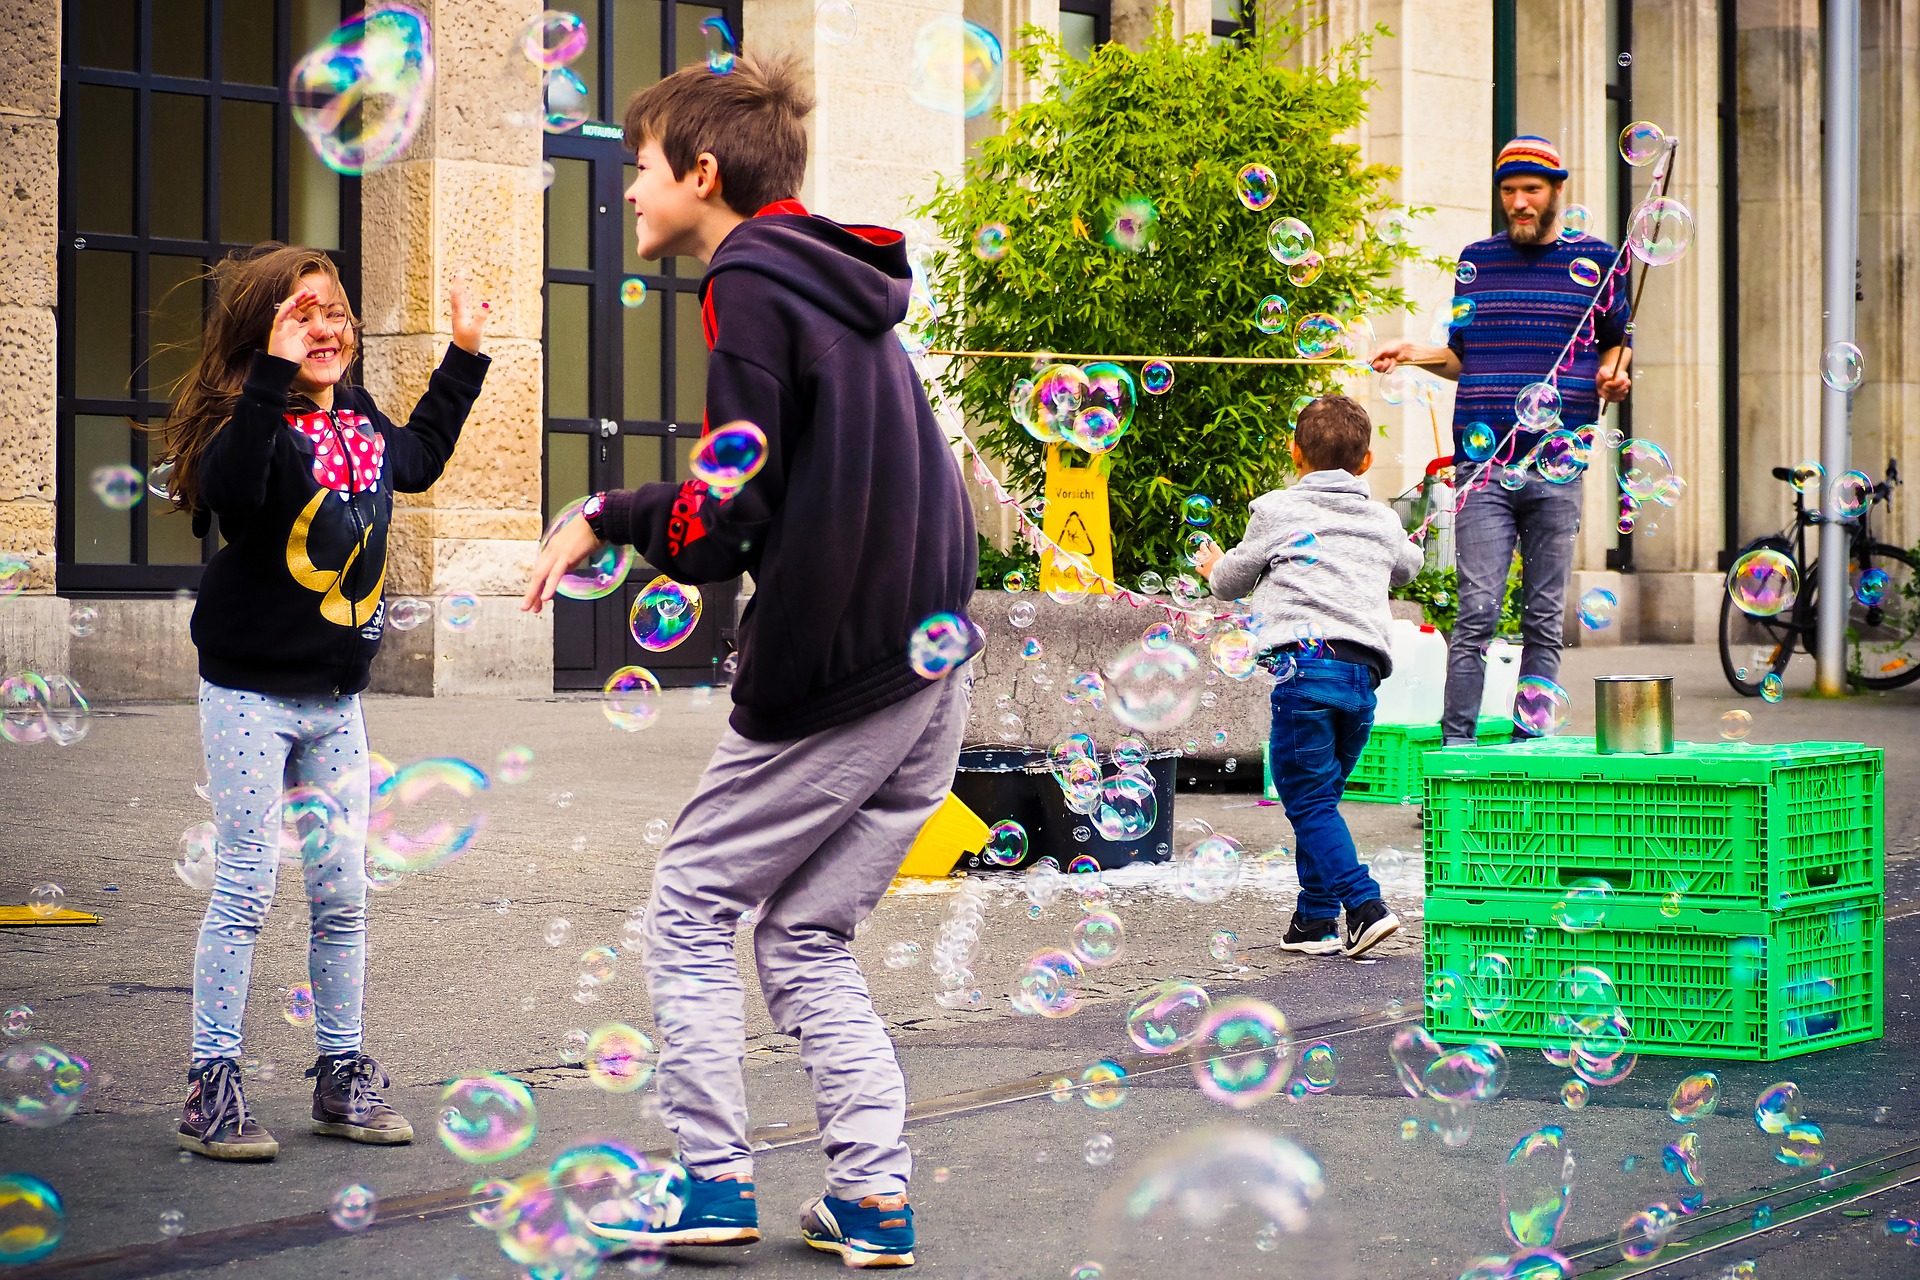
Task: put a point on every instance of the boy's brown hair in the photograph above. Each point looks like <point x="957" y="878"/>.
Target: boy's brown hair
<point x="752" y="119"/>
<point x="1334" y="433"/>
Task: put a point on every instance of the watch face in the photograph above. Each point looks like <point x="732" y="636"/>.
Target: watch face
<point x="592" y="508"/>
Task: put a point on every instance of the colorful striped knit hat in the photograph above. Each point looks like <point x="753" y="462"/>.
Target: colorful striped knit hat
<point x="1529" y="153"/>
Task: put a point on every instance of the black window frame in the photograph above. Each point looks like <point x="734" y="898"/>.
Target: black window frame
<point x="140" y="404"/>
<point x="1238" y="28"/>
<point x="1101" y="11"/>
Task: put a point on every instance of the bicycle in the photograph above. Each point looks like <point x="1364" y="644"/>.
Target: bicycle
<point x="1883" y="618"/>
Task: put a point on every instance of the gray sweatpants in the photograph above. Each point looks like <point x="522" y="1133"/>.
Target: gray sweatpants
<point x="813" y="830"/>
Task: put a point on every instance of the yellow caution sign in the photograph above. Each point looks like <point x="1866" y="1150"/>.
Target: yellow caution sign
<point x="1076" y="520"/>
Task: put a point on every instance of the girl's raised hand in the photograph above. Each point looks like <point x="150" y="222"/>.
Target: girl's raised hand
<point x="288" y="338"/>
<point x="469" y="321"/>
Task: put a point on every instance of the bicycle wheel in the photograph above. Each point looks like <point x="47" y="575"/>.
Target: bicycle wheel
<point x="1752" y="648"/>
<point x="1883" y="617"/>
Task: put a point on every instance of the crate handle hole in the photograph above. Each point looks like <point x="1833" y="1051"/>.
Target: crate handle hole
<point x="1819" y="876"/>
<point x="1568" y="875"/>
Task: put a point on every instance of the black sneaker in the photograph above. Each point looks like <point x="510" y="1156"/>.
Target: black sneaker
<point x="1312" y="937"/>
<point x="1368" y="925"/>
<point x="215" y="1121"/>
<point x="347" y="1101"/>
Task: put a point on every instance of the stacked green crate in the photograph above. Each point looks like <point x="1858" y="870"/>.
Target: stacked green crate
<point x="1388" y="770"/>
<point x="1732" y="892"/>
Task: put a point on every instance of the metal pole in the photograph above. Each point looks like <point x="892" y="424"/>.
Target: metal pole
<point x="1840" y="221"/>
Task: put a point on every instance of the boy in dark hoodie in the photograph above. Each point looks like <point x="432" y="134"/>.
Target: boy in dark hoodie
<point x="856" y="529"/>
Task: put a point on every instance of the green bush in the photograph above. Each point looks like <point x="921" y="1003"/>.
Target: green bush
<point x="1438" y="592"/>
<point x="1173" y="123"/>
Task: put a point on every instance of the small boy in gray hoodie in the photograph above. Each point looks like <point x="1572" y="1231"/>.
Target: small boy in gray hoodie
<point x="1318" y="560"/>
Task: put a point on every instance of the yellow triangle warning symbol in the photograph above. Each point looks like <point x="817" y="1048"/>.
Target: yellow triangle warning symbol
<point x="1075" y="537"/>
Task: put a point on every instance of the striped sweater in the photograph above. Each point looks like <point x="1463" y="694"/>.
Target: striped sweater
<point x="1526" y="303"/>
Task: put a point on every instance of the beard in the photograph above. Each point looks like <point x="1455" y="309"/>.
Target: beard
<point x="1545" y="221"/>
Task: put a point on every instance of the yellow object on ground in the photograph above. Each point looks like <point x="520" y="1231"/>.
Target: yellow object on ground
<point x="27" y="917"/>
<point x="949" y="835"/>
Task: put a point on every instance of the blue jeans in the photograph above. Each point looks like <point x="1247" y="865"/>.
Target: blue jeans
<point x="1321" y="718"/>
<point x="258" y="745"/>
<point x="1542" y="519"/>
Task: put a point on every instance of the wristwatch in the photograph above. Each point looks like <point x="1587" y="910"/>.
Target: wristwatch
<point x="591" y="511"/>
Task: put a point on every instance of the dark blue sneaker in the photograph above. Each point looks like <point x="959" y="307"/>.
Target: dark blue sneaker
<point x="717" y="1211"/>
<point x="875" y="1232"/>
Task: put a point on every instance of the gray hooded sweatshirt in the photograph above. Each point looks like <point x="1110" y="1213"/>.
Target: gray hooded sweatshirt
<point x="1321" y="554"/>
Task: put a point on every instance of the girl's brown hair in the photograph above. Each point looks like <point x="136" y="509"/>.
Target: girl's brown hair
<point x="249" y="286"/>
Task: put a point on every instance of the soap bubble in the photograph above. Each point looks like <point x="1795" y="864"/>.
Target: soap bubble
<point x="1289" y="240"/>
<point x="1777" y="1107"/>
<point x="1471" y="1073"/>
<point x="1230" y="1186"/>
<point x="360" y="94"/>
<point x="1319" y="1067"/>
<point x="1560" y="457"/>
<point x="1256" y="186"/>
<point x="424" y="816"/>
<point x="487" y="1118"/>
<point x="1800" y="1144"/>
<point x="45" y="899"/>
<point x="1271" y="316"/>
<point x="567" y="102"/>
<point x="1460" y="313"/>
<point x="1006" y="844"/>
<point x="1306" y="271"/>
<point x="407" y="612"/>
<point x="836" y="22"/>
<point x="1660" y="230"/>
<point x="630" y="699"/>
<point x="554" y="39"/>
<point x="1537" y="406"/>
<point x="33" y="1220"/>
<point x="1842" y="366"/>
<point x="1597" y="607"/>
<point x="619" y="1059"/>
<point x="1466" y="272"/>
<point x="1236" y="650"/>
<point x="459" y="610"/>
<point x="1644" y="1234"/>
<point x="1394" y="228"/>
<point x="1694" y="1097"/>
<point x="1156" y="376"/>
<point x="1317" y="335"/>
<point x="1574" y="1094"/>
<point x="41" y="1085"/>
<point x="1735" y="725"/>
<point x="1490" y="985"/>
<point x="1536" y="1186"/>
<point x="1197" y="510"/>
<point x="722" y="53"/>
<point x="1049" y="985"/>
<point x="1097" y="938"/>
<point x="299" y="1011"/>
<point x="1133" y="224"/>
<point x="1209" y="869"/>
<point x="1851" y="495"/>
<point x="664" y="614"/>
<point x="1763" y="582"/>
<point x="633" y="292"/>
<point x="1022" y="613"/>
<point x="1646" y="471"/>
<point x="601" y="573"/>
<point x="990" y="241"/>
<point x="17" y="1021"/>
<point x="173" y="1223"/>
<point x="729" y="456"/>
<point x="1057" y="394"/>
<point x="119" y="487"/>
<point x="939" y="644"/>
<point x="1111" y="387"/>
<point x="1584" y="272"/>
<point x="1540" y="707"/>
<point x="1153" y="689"/>
<point x="1242" y="1053"/>
<point x="353" y="1208"/>
<point x="955" y="67"/>
<point x="1575" y="219"/>
<point x="1168" y="1017"/>
<point x="1870" y="586"/>
<point x="1127" y="809"/>
<point x="1641" y="142"/>
<point x="1477" y="442"/>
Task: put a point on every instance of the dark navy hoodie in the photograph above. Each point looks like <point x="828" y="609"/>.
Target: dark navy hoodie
<point x="858" y="527"/>
<point x="293" y="604"/>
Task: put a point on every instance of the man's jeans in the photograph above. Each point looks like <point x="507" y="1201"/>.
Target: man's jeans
<point x="1543" y="519"/>
<point x="1321" y="718"/>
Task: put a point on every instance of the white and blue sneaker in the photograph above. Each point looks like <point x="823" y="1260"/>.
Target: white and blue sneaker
<point x="717" y="1211"/>
<point x="874" y="1232"/>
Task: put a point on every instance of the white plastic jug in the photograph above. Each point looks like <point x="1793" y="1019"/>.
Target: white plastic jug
<point x="1503" y="677"/>
<point x="1416" y="692"/>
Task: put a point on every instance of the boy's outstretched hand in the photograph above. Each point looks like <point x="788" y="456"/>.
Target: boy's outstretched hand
<point x="469" y="320"/>
<point x="1206" y="557"/>
<point x="573" y="543"/>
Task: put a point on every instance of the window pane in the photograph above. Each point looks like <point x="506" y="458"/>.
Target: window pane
<point x="314" y="201"/>
<point x="641" y="359"/>
<point x="636" y="49"/>
<point x="690" y="361"/>
<point x="567" y="337"/>
<point x="683" y="448"/>
<point x="1078" y="32"/>
<point x="101" y="535"/>
<point x="170" y="537"/>
<point x="102" y="324"/>
<point x="246" y="43"/>
<point x="106" y="38"/>
<point x="100" y="123"/>
<point x="246" y="171"/>
<point x="178" y="147"/>
<point x="639" y="461"/>
<point x="689" y="41"/>
<point x="630" y="260"/>
<point x="173" y="324"/>
<point x="180" y="39"/>
<point x="1227" y="11"/>
<point x="568" y="221"/>
<point x="567" y="476"/>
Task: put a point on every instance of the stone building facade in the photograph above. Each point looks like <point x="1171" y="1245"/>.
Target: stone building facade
<point x="1727" y="338"/>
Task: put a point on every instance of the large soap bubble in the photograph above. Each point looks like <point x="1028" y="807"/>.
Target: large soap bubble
<point x="360" y="94"/>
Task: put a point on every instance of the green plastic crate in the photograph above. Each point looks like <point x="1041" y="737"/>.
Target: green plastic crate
<point x="1388" y="770"/>
<point x="1725" y="824"/>
<point x="1749" y="985"/>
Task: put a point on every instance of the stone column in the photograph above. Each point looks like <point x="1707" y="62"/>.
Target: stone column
<point x="1778" y="161"/>
<point x="1677" y="329"/>
<point x="32" y="626"/>
<point x="1886" y="409"/>
<point x="465" y="199"/>
<point x="1132" y="20"/>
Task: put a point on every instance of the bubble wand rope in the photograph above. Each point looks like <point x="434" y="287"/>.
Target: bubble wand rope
<point x="1064" y="356"/>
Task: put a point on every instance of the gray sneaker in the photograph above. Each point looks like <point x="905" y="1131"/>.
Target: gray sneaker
<point x="215" y="1121"/>
<point x="347" y="1102"/>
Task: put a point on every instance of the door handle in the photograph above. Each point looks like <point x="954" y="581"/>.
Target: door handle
<point x="608" y="428"/>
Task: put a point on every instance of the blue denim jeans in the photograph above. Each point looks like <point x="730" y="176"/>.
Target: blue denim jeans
<point x="1542" y="519"/>
<point x="1321" y="718"/>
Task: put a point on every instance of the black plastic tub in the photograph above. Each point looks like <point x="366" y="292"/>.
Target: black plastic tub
<point x="1008" y="782"/>
<point x="1063" y="825"/>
